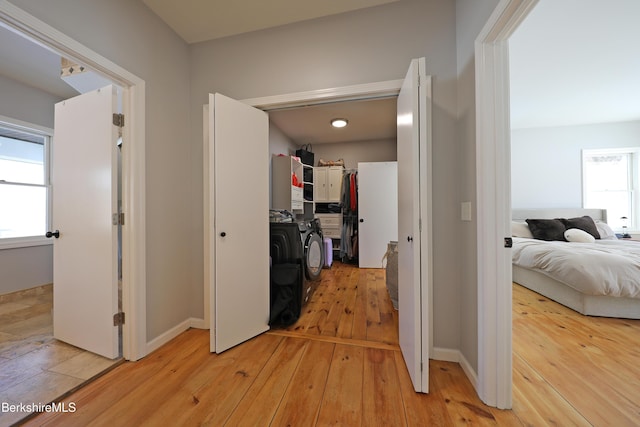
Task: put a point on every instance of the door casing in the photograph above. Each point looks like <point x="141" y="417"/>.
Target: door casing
<point x="493" y="163"/>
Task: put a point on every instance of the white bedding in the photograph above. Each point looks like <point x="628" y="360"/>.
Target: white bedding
<point x="606" y="267"/>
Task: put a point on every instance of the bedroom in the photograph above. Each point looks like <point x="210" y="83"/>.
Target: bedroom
<point x="558" y="133"/>
<point x="563" y="103"/>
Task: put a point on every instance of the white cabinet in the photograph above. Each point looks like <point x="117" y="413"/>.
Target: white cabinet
<point x="327" y="183"/>
<point x="286" y="184"/>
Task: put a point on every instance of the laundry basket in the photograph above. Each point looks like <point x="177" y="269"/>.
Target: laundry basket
<point x="392" y="271"/>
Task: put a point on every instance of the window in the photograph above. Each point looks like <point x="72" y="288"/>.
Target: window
<point x="24" y="182"/>
<point x="610" y="180"/>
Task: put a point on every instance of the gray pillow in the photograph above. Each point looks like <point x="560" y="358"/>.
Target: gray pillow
<point x="547" y="229"/>
<point x="584" y="223"/>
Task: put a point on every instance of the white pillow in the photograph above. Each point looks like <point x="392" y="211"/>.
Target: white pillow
<point x="520" y="229"/>
<point x="606" y="232"/>
<point x="579" y="236"/>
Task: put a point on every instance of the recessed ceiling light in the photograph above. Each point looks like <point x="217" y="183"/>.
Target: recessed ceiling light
<point x="339" y="123"/>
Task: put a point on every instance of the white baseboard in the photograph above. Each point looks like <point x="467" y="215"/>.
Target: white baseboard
<point x="198" y="323"/>
<point x="450" y="355"/>
<point x="164" y="338"/>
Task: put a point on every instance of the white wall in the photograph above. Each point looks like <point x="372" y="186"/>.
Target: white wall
<point x="129" y="34"/>
<point x="371" y="45"/>
<point x="471" y="16"/>
<point x="546" y="163"/>
<point x="24" y="268"/>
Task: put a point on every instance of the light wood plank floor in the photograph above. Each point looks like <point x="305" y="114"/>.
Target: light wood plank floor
<point x="35" y="367"/>
<point x="340" y="365"/>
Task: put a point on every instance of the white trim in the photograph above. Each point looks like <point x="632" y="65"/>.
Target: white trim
<point x="389" y="88"/>
<point x="47" y="134"/>
<point x="172" y="333"/>
<point x="134" y="249"/>
<point x="456" y="356"/>
<point x="446" y="354"/>
<point x="26" y="127"/>
<point x="24" y="242"/>
<point x="493" y="163"/>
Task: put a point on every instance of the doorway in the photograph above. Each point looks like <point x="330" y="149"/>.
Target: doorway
<point x="133" y="237"/>
<point x="415" y="137"/>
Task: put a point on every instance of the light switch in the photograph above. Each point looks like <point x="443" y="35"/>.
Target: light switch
<point x="465" y="211"/>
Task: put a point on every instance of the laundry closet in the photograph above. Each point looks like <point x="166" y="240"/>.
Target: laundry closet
<point x="316" y="214"/>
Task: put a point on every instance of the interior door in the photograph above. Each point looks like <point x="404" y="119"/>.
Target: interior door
<point x="413" y="283"/>
<point x="378" y="211"/>
<point x="84" y="179"/>
<point x="239" y="154"/>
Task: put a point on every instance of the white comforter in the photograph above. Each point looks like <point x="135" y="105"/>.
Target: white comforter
<point x="607" y="267"/>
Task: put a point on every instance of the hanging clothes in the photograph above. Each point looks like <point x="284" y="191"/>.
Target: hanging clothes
<point x="349" y="235"/>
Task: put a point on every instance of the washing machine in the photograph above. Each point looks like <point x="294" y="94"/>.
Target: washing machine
<point x="312" y="257"/>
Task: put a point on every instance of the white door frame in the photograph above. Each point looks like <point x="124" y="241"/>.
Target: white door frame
<point x="133" y="166"/>
<point x="493" y="181"/>
<point x="388" y="88"/>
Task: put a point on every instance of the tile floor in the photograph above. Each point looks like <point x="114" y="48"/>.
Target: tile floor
<point x="35" y="367"/>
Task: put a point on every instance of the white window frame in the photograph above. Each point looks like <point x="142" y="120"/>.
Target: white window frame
<point x="47" y="134"/>
<point x="634" y="180"/>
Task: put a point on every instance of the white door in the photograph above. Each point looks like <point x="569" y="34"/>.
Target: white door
<point x="413" y="224"/>
<point x="378" y="211"/>
<point x="84" y="179"/>
<point x="239" y="231"/>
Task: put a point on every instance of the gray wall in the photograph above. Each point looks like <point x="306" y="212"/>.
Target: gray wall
<point x="26" y="103"/>
<point x="24" y="268"/>
<point x="546" y="163"/>
<point x="371" y="45"/>
<point x="374" y="44"/>
<point x="471" y="17"/>
<point x="357" y="151"/>
<point x="129" y="34"/>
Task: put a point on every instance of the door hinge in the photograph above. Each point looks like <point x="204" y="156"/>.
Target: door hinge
<point x="508" y="242"/>
<point x="118" y="319"/>
<point x="118" y="120"/>
<point x="117" y="219"/>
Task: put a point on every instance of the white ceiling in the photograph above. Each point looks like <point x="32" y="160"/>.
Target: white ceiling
<point x="369" y="120"/>
<point x="576" y="62"/>
<point x="572" y="62"/>
<point x="200" y="20"/>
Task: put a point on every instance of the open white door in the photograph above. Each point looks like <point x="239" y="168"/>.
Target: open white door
<point x="378" y="211"/>
<point x="238" y="242"/>
<point x="414" y="267"/>
<point x="84" y="179"/>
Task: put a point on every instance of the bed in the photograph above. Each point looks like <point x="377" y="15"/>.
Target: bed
<point x="599" y="278"/>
